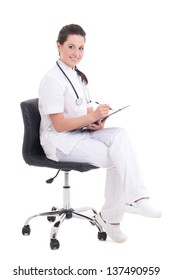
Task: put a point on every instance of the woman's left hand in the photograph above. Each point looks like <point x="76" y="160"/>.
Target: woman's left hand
<point x="96" y="126"/>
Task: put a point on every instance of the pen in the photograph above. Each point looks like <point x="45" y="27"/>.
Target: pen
<point x="100" y="104"/>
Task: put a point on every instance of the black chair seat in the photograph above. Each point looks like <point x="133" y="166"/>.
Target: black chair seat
<point x="42" y="161"/>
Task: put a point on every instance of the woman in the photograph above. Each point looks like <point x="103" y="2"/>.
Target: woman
<point x="65" y="107"/>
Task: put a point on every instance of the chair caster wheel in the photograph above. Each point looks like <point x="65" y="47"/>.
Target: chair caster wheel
<point x="54" y="244"/>
<point x="102" y="235"/>
<point x="26" y="230"/>
<point x="51" y="219"/>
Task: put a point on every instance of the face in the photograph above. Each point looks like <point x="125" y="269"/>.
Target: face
<point x="71" y="52"/>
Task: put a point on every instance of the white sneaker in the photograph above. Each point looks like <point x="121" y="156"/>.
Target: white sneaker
<point x="113" y="231"/>
<point x="143" y="208"/>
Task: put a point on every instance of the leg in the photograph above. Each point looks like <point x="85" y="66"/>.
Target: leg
<point x="123" y="172"/>
<point x="123" y="181"/>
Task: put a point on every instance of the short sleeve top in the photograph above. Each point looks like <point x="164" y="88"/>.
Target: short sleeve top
<point x="56" y="95"/>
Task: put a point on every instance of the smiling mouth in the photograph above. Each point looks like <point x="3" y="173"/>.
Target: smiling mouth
<point x="74" y="59"/>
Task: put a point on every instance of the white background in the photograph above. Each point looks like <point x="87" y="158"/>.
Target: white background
<point x="128" y="60"/>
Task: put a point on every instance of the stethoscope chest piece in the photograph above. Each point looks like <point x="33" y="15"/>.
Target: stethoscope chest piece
<point x="79" y="101"/>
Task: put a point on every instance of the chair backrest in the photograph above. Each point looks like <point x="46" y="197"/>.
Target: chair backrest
<point x="32" y="150"/>
<point x="31" y="141"/>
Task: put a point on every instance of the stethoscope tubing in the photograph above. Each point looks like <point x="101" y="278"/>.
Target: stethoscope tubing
<point x="79" y="100"/>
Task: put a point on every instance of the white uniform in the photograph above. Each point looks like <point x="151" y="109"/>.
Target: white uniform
<point x="109" y="148"/>
<point x="57" y="96"/>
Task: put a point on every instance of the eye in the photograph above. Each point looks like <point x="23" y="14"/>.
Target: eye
<point x="72" y="47"/>
<point x="81" y="48"/>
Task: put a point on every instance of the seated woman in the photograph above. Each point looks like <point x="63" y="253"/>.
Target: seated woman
<point x="65" y="106"/>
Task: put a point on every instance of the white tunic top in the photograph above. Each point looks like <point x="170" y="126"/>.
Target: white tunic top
<point x="56" y="95"/>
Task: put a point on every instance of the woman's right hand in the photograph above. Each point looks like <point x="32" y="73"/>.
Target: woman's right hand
<point x="101" y="111"/>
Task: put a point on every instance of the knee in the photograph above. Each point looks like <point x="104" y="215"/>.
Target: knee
<point x="120" y="133"/>
<point x="124" y="132"/>
<point x="121" y="137"/>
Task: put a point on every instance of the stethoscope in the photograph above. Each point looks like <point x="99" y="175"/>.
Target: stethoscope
<point x="79" y="100"/>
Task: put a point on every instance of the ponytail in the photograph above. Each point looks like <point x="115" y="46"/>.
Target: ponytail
<point x="82" y="75"/>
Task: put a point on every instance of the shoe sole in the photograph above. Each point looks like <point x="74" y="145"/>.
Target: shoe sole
<point x="135" y="210"/>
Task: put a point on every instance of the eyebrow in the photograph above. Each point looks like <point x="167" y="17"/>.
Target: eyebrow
<point x="71" y="44"/>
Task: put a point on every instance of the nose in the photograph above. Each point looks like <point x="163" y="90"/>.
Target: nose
<point x="76" y="52"/>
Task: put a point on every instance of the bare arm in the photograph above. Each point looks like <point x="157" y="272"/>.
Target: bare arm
<point x="64" y="124"/>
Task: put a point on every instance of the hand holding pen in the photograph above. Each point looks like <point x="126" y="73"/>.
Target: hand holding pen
<point x="100" y="104"/>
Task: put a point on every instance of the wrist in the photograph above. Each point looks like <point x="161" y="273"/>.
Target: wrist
<point x="93" y="117"/>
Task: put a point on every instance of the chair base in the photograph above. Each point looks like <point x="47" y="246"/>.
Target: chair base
<point x="64" y="213"/>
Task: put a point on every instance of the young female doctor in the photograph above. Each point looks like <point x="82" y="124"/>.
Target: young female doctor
<point x="65" y="106"/>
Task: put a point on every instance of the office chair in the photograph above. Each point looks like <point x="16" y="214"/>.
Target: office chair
<point x="34" y="155"/>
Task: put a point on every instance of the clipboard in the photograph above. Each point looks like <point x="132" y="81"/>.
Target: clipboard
<point x="84" y="128"/>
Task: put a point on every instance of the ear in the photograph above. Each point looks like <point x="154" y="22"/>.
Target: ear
<point x="58" y="46"/>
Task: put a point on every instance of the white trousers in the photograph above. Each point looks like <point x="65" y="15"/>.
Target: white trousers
<point x="111" y="148"/>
